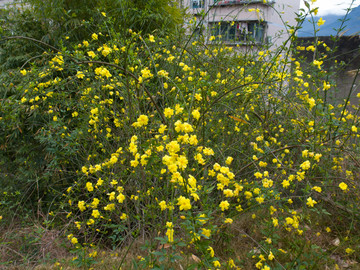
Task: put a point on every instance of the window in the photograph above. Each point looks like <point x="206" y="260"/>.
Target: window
<point x="197" y="3"/>
<point x="238" y="32"/>
<point x="229" y="2"/>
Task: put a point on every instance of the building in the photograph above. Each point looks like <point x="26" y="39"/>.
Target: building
<point x="244" y="22"/>
<point x="4" y="3"/>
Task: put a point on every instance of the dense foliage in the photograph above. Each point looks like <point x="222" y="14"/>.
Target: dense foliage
<point x="197" y="149"/>
<point x="162" y="16"/>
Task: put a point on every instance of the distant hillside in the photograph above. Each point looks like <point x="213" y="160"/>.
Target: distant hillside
<point x="332" y="23"/>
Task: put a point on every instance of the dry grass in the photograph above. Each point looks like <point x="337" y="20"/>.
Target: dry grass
<point x="24" y="247"/>
<point x="36" y="247"/>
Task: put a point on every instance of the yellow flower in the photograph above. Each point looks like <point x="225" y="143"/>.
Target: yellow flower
<point x="91" y="54"/>
<point x="208" y="151"/>
<point x="182" y="162"/>
<point x="146" y="73"/>
<point x="260" y="200"/>
<point x="248" y="195"/>
<point x="343" y="186"/>
<point x="305" y="165"/>
<point x="206" y="232"/>
<point x="81" y="206"/>
<point x="229" y="220"/>
<point x="162" y="205"/>
<point x="216" y="264"/>
<point x="114" y="182"/>
<point x="285" y="183"/>
<point x="224" y="205"/>
<point x="262" y="164"/>
<point x="354" y="129"/>
<point x="311" y="202"/>
<point x="289" y="220"/>
<point x="80" y="75"/>
<point x="228" y="160"/>
<point x="184" y="203"/>
<point x="95" y="213"/>
<point x="94" y="36"/>
<point x="311" y="102"/>
<point x="211" y="251"/>
<point x="120" y="198"/>
<point x="193" y="140"/>
<point x="173" y="147"/>
<point x="170" y="234"/>
<point x="104" y="72"/>
<point x="141" y="121"/>
<point x="109" y="207"/>
<point x="99" y="182"/>
<point x="74" y="240"/>
<point x="111" y="196"/>
<point x="275" y="222"/>
<point x="320" y="22"/>
<point x="89" y="186"/>
<point x="90" y="222"/>
<point x="317" y="157"/>
<point x="168" y="112"/>
<point x="198" y="97"/>
<point x="228" y="193"/>
<point x="106" y="50"/>
<point x="23" y="72"/>
<point x="196" y="114"/>
<point x="95" y="203"/>
<point x="271" y="256"/>
<point x="151" y="38"/>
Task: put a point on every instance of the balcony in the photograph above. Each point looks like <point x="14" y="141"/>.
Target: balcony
<point x="242" y="2"/>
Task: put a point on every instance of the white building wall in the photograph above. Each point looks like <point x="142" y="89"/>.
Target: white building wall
<point x="274" y="14"/>
<point x="4" y="3"/>
<point x="283" y="11"/>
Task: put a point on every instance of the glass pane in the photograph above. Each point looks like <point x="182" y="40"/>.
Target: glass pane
<point x="251" y="31"/>
<point x="259" y="32"/>
<point x="232" y="31"/>
<point x="223" y="30"/>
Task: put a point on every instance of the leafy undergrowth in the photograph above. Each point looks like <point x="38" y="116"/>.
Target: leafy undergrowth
<point x="195" y="157"/>
<point x="39" y="248"/>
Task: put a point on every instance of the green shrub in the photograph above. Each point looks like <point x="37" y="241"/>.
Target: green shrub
<point x="128" y="136"/>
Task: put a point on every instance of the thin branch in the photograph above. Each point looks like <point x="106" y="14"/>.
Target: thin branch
<point x="272" y="152"/>
<point x="32" y="39"/>
<point x="133" y="76"/>
<point x="94" y="62"/>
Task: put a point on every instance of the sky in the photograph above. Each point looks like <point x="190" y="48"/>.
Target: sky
<point x="325" y="6"/>
<point x="332" y="6"/>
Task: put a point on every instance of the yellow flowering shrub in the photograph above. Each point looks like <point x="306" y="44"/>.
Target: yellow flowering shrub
<point x="164" y="147"/>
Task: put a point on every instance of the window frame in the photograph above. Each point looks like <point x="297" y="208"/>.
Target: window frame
<point x="239" y="32"/>
<point x="194" y="4"/>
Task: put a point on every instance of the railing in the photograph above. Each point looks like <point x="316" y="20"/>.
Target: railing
<point x="234" y="2"/>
